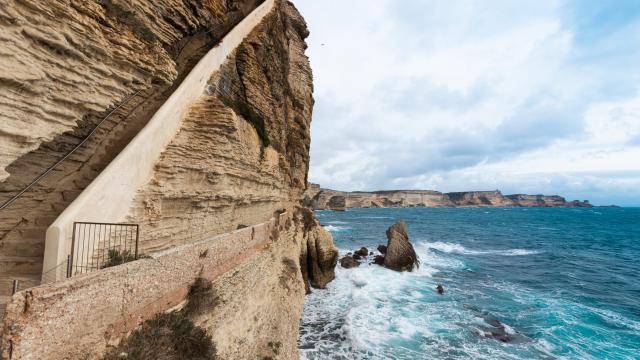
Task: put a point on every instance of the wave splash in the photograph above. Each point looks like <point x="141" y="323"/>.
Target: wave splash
<point x="459" y="249"/>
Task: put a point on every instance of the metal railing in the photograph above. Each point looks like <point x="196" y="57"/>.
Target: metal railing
<point x="51" y="168"/>
<point x="97" y="246"/>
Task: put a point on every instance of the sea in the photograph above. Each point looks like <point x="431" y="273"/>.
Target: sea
<point x="519" y="283"/>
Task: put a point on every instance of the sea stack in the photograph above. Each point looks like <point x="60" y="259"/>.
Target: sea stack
<point x="400" y="255"/>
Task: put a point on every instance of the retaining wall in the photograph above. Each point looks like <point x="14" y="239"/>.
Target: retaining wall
<point x="77" y="318"/>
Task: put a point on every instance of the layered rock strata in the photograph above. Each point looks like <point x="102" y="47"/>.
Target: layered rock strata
<point x="243" y="149"/>
<point x="320" y="199"/>
<point x="241" y="156"/>
<point x="64" y="61"/>
<point x="65" y="67"/>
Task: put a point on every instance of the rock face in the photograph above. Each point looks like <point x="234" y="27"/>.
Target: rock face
<point x="318" y="198"/>
<point x="242" y="152"/>
<point x="64" y="62"/>
<point x="65" y="67"/>
<point x="400" y="254"/>
<point x="241" y="156"/>
<point x="349" y="262"/>
<point x="318" y="256"/>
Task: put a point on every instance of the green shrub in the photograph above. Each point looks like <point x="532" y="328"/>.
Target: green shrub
<point x="201" y="297"/>
<point x="117" y="257"/>
<point x="169" y="336"/>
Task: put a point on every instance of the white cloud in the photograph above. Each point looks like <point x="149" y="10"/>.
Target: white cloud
<point x="417" y="93"/>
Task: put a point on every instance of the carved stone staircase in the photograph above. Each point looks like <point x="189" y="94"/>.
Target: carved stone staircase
<point x="23" y="224"/>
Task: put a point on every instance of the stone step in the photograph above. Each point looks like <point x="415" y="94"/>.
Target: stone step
<point x="24" y="247"/>
<point x="39" y="232"/>
<point x="46" y="220"/>
<point x="21" y="265"/>
<point x="24" y="282"/>
<point x="70" y="195"/>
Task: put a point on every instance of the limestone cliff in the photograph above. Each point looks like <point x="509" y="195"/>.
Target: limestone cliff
<point x="66" y="66"/>
<point x="318" y="198"/>
<point x="243" y="149"/>
<point x="240" y="158"/>
<point x="63" y="62"/>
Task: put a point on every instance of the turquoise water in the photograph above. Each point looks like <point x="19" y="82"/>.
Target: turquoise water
<point x="555" y="283"/>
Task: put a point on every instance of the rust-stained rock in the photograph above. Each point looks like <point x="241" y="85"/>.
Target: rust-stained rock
<point x="400" y="254"/>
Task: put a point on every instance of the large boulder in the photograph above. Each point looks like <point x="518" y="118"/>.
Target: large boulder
<point x="382" y="249"/>
<point x="349" y="262"/>
<point x="319" y="256"/>
<point x="363" y="251"/>
<point x="400" y="256"/>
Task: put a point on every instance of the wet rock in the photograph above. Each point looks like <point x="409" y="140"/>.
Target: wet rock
<point x="501" y="332"/>
<point x="440" y="289"/>
<point x="379" y="260"/>
<point x="319" y="256"/>
<point x="349" y="262"/>
<point x="362" y="252"/>
<point x="382" y="249"/>
<point x="400" y="256"/>
<point x="357" y="257"/>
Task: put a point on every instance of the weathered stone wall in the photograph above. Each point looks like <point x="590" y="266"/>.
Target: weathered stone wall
<point x="257" y="283"/>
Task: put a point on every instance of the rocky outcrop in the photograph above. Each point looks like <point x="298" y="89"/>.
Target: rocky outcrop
<point x="318" y="198"/>
<point x="318" y="255"/>
<point x="400" y="255"/>
<point x="348" y="262"/>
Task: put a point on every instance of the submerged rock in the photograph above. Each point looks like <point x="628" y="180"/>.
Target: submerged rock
<point x="349" y="262"/>
<point x="401" y="256"/>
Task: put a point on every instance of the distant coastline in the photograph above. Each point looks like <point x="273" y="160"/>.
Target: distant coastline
<point x="318" y="198"/>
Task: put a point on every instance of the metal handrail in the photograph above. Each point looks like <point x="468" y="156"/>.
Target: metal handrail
<point x="51" y="168"/>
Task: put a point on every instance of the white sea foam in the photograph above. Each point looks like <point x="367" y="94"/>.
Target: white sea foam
<point x="335" y="228"/>
<point x="459" y="249"/>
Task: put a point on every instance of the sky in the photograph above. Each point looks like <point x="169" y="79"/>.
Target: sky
<point x="457" y="95"/>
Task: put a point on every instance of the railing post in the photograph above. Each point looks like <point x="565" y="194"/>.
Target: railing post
<point x="69" y="266"/>
<point x="15" y="286"/>
<point x="137" y="237"/>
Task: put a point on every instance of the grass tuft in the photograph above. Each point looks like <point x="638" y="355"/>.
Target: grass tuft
<point x="117" y="257"/>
